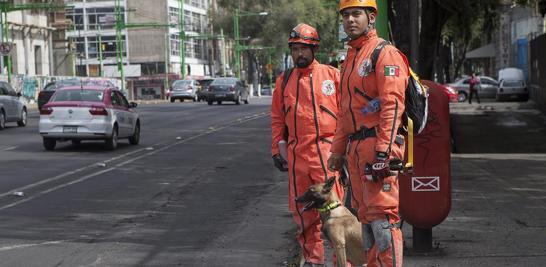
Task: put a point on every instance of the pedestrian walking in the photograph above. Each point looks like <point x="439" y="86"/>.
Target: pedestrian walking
<point x="370" y="124"/>
<point x="303" y="122"/>
<point x="473" y="86"/>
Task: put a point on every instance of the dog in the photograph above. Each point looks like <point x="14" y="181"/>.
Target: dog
<point x="339" y="225"/>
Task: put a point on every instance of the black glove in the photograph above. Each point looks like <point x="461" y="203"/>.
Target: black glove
<point x="379" y="169"/>
<point x="280" y="163"/>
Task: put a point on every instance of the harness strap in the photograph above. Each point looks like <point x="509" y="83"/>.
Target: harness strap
<point x="364" y="133"/>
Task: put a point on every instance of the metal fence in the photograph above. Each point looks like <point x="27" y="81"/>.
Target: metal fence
<point x="538" y="70"/>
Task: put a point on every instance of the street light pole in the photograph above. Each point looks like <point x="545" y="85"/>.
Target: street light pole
<point x="101" y="74"/>
<point x="238" y="49"/>
<point x="119" y="44"/>
<point x="181" y="38"/>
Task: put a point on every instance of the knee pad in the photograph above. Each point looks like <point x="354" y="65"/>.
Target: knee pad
<point x="382" y="234"/>
<point x="367" y="235"/>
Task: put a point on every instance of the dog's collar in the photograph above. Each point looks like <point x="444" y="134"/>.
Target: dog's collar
<point x="328" y="207"/>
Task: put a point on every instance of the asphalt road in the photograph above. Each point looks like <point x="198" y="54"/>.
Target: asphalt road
<point x="198" y="191"/>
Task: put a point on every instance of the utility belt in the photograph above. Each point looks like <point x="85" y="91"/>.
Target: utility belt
<point x="365" y="132"/>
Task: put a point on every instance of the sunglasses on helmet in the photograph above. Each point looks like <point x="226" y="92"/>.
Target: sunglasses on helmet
<point x="295" y="34"/>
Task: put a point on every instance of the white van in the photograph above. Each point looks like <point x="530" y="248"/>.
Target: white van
<point x="512" y="85"/>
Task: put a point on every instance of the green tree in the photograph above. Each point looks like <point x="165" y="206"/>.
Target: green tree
<point x="283" y="15"/>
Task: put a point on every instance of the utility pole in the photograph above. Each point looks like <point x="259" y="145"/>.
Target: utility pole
<point x="238" y="47"/>
<point x="119" y="50"/>
<point x="101" y="73"/>
<point x="167" y="58"/>
<point x="181" y="39"/>
<point x="382" y="21"/>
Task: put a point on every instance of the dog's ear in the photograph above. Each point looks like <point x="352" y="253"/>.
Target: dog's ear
<point x="329" y="184"/>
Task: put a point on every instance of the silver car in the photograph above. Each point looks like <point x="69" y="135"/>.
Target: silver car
<point x="88" y="113"/>
<point x="486" y="89"/>
<point x="12" y="109"/>
<point x="184" y="89"/>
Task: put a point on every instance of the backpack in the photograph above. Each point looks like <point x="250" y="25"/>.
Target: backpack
<point x="416" y="103"/>
<point x="416" y="106"/>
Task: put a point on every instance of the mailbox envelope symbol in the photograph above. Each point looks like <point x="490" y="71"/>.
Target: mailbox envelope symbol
<point x="431" y="183"/>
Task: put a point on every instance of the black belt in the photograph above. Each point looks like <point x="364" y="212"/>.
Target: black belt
<point x="364" y="133"/>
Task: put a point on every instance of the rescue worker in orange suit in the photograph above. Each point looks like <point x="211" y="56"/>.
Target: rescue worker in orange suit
<point x="368" y="134"/>
<point x="306" y="109"/>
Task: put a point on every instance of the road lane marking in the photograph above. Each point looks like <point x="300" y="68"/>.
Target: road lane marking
<point x="41" y="193"/>
<point x="9" y="148"/>
<point x="6" y="248"/>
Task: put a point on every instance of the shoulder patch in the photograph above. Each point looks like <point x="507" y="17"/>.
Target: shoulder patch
<point x="328" y="87"/>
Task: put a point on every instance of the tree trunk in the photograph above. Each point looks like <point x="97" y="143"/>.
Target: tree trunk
<point x="433" y="19"/>
<point x="399" y="18"/>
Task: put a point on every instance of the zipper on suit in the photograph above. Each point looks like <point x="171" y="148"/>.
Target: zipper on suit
<point x="317" y="138"/>
<point x="349" y="90"/>
<point x="294" y="160"/>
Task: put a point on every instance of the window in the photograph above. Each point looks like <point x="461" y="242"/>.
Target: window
<point x="79" y="95"/>
<point x="38" y="60"/>
<point x="76" y="16"/>
<point x="175" y="45"/>
<point x="173" y="15"/>
<point x="109" y="46"/>
<point x="105" y="17"/>
<point x="122" y="99"/>
<point x="115" y="99"/>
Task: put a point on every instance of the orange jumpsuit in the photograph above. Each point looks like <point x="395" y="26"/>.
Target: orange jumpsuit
<point x="310" y="102"/>
<point x="373" y="201"/>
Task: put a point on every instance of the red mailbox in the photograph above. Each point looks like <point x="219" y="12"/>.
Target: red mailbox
<point x="425" y="194"/>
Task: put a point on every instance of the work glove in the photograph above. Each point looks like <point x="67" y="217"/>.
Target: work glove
<point x="379" y="169"/>
<point x="280" y="163"/>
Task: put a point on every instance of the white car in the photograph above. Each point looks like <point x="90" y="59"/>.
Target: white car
<point x="12" y="108"/>
<point x="79" y="113"/>
<point x="512" y="85"/>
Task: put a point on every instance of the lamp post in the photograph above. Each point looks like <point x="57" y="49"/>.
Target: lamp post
<point x="239" y="13"/>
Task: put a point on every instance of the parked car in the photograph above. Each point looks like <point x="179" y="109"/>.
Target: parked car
<point x="450" y="92"/>
<point x="204" y="87"/>
<point x="266" y="90"/>
<point x="227" y="89"/>
<point x="50" y="88"/>
<point x="184" y="89"/>
<point x="487" y="88"/>
<point x="512" y="85"/>
<point x="12" y="109"/>
<point x="79" y="113"/>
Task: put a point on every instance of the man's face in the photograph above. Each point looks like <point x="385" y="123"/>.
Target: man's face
<point x="355" y="21"/>
<point x="302" y="54"/>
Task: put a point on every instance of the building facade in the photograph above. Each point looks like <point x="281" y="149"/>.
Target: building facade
<point x="146" y="50"/>
<point x="30" y="40"/>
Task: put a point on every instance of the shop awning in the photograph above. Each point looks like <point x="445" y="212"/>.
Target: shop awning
<point x="485" y="51"/>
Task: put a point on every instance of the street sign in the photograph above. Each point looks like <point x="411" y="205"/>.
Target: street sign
<point x="5" y="48"/>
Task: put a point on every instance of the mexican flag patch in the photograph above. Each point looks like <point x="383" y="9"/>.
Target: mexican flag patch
<point x="392" y="71"/>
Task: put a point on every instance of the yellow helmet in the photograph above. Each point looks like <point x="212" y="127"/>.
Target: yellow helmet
<point x="343" y="4"/>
